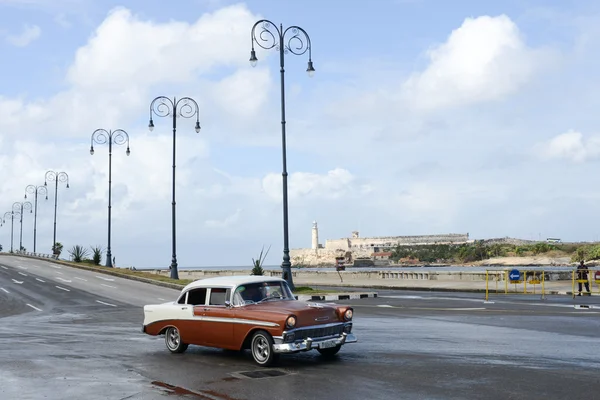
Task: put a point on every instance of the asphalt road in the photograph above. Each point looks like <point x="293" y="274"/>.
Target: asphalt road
<point x="72" y="334"/>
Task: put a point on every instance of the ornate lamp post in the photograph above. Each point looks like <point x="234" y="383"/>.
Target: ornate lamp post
<point x="19" y="207"/>
<point x="32" y="189"/>
<point x="117" y="137"/>
<point x="163" y="106"/>
<point x="11" y="215"/>
<point x="297" y="43"/>
<point x="56" y="177"/>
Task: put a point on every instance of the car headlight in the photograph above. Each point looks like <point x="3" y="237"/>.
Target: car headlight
<point x="348" y="315"/>
<point x="290" y="322"/>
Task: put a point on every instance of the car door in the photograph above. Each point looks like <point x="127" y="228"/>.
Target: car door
<point x="193" y="330"/>
<point x="218" y="319"/>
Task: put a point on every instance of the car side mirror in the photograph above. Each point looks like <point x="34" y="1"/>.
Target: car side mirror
<point x="227" y="304"/>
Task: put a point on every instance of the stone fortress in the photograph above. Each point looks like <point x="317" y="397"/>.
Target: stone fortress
<point x="354" y="249"/>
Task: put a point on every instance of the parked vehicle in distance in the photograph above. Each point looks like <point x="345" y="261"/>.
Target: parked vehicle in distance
<point x="249" y="312"/>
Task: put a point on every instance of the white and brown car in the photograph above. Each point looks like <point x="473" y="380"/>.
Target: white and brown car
<point x="249" y="312"/>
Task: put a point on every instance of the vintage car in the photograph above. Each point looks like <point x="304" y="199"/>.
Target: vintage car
<point x="249" y="312"/>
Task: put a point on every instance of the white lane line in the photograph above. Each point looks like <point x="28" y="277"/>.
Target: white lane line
<point x="4" y="290"/>
<point x="21" y="273"/>
<point x="160" y="298"/>
<point x="19" y="266"/>
<point x="55" y="266"/>
<point x="107" y="304"/>
<point x="64" y="280"/>
<point x="34" y="307"/>
<point x="18" y="282"/>
<point x="385" y="306"/>
<point x="112" y="287"/>
<point x="106" y="279"/>
<point x="58" y="272"/>
<point x="81" y="279"/>
<point x="3" y="266"/>
<point x="62" y="288"/>
<point x="41" y="280"/>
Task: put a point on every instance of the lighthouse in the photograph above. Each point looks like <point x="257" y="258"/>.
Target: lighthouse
<point x="315" y="237"/>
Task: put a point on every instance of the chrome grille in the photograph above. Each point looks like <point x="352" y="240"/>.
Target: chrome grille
<point x="318" y="332"/>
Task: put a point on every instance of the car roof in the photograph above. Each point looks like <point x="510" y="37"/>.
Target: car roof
<point x="231" y="281"/>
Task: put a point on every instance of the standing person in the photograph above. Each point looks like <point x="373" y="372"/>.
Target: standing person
<point x="582" y="274"/>
<point x="114" y="262"/>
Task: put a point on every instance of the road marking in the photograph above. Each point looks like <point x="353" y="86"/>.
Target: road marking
<point x="3" y="266"/>
<point x="385" y="306"/>
<point x="21" y="273"/>
<point x="19" y="282"/>
<point x="113" y="287"/>
<point x="62" y="288"/>
<point x="160" y="298"/>
<point x="64" y="280"/>
<point x="108" y="304"/>
<point x="81" y="279"/>
<point x="34" y="307"/>
<point x="18" y="266"/>
<point x="4" y="290"/>
<point x="106" y="279"/>
<point x="41" y="280"/>
<point x="58" y="272"/>
<point x="55" y="266"/>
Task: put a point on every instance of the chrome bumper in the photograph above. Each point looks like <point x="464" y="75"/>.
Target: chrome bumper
<point x="310" y="344"/>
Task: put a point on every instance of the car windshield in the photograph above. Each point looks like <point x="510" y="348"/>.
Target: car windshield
<point x="261" y="292"/>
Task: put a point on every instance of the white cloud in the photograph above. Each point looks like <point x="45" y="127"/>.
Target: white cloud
<point x="485" y="59"/>
<point x="333" y="185"/>
<point x="571" y="146"/>
<point x="227" y="222"/>
<point x="30" y="33"/>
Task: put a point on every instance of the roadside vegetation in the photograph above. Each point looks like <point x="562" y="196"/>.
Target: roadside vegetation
<point x="465" y="253"/>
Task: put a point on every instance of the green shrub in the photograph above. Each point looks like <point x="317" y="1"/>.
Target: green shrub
<point x="257" y="268"/>
<point x="97" y="254"/>
<point x="78" y="253"/>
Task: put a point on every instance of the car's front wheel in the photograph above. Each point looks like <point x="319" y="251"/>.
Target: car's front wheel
<point x="262" y="348"/>
<point x="173" y="340"/>
<point x="331" y="351"/>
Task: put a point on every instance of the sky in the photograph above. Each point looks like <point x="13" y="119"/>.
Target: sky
<point x="423" y="117"/>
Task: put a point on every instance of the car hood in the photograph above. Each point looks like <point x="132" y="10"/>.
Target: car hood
<point x="306" y="312"/>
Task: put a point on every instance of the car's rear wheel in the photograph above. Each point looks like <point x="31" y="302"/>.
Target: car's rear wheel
<point x="262" y="348"/>
<point x="331" y="351"/>
<point x="173" y="340"/>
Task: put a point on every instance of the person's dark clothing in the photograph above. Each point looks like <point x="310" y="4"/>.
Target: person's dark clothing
<point x="582" y="274"/>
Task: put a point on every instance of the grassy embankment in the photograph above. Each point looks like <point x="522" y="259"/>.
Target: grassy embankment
<point x="479" y="251"/>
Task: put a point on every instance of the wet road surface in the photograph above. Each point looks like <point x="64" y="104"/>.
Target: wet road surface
<point x="72" y="334"/>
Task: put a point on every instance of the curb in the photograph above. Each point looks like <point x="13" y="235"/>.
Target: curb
<point x="336" y="296"/>
<point x="112" y="273"/>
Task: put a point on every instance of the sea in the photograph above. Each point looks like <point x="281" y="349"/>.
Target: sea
<point x="428" y="268"/>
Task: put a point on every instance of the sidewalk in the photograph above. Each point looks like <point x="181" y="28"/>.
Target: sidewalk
<point x="550" y="287"/>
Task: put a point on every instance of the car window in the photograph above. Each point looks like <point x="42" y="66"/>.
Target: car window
<point x="197" y="297"/>
<point x="218" y="296"/>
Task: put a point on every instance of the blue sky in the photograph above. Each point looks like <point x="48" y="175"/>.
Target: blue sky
<point x="423" y="117"/>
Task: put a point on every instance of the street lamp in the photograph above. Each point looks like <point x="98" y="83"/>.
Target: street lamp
<point x="20" y="206"/>
<point x="32" y="189"/>
<point x="163" y="106"/>
<point x="56" y="177"/>
<point x="298" y="43"/>
<point x="11" y="214"/>
<point x="117" y="137"/>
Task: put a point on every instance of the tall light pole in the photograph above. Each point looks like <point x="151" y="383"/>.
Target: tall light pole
<point x="117" y="137"/>
<point x="19" y="207"/>
<point x="163" y="106"/>
<point x="297" y="43"/>
<point x="32" y="189"/>
<point x="56" y="177"/>
<point x="11" y="214"/>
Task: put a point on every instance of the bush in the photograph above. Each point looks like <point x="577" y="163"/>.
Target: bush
<point x="257" y="268"/>
<point x="78" y="253"/>
<point x="97" y="254"/>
